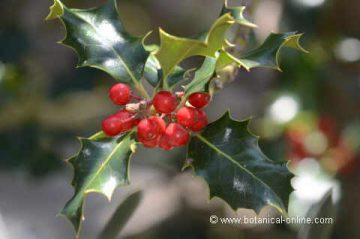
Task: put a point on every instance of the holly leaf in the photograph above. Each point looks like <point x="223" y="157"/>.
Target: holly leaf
<point x="228" y="157"/>
<point x="238" y="14"/>
<point x="266" y="55"/>
<point x="153" y="73"/>
<point x="99" y="38"/>
<point x="101" y="165"/>
<point x="174" y="49"/>
<point x="225" y="59"/>
<point x="56" y="10"/>
<point x="202" y="77"/>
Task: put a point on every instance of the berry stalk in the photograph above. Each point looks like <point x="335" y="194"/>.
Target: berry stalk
<point x="141" y="90"/>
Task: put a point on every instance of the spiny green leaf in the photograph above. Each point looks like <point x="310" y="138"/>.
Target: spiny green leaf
<point x="228" y="157"/>
<point x="151" y="71"/>
<point x="177" y="76"/>
<point x="101" y="165"/>
<point x="238" y="14"/>
<point x="56" y="10"/>
<point x="267" y="55"/>
<point x="224" y="59"/>
<point x="174" y="49"/>
<point x="202" y="77"/>
<point x="153" y="74"/>
<point x="99" y="38"/>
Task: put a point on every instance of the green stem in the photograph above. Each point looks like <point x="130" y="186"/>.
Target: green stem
<point x="182" y="102"/>
<point x="164" y="84"/>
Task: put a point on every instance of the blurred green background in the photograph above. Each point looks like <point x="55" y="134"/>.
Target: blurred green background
<point x="308" y="114"/>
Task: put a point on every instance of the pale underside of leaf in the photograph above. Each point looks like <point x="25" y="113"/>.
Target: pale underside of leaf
<point x="179" y="48"/>
<point x="56" y="10"/>
<point x="174" y="50"/>
<point x="238" y="14"/>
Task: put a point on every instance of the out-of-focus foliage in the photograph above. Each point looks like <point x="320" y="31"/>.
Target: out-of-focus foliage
<point x="316" y="96"/>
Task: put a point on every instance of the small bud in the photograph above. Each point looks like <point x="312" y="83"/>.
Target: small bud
<point x="132" y="107"/>
<point x="179" y="94"/>
<point x="144" y="104"/>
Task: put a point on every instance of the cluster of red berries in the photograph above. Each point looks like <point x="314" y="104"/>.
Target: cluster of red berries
<point x="160" y="122"/>
<point x="338" y="155"/>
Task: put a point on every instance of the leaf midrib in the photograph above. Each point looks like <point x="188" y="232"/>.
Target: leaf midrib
<point x="133" y="78"/>
<point x="103" y="164"/>
<point x="212" y="146"/>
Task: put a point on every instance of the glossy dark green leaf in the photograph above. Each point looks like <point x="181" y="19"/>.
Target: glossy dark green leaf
<point x="266" y="55"/>
<point x="101" y="165"/>
<point x="228" y="157"/>
<point x="99" y="38"/>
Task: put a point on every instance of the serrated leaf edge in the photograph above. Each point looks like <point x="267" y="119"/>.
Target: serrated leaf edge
<point x="239" y="63"/>
<point x="287" y="39"/>
<point x="80" y="64"/>
<point x="204" y="43"/>
<point x="281" y="209"/>
<point x="241" y="10"/>
<point x="86" y="192"/>
<point x="56" y="10"/>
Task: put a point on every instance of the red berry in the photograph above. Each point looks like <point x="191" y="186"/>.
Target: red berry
<point x="120" y="94"/>
<point x="200" y="121"/>
<point x="136" y="121"/>
<point x="151" y="128"/>
<point x="127" y="119"/>
<point x="119" y="122"/>
<point x="329" y="128"/>
<point x="164" y="143"/>
<point x="111" y="125"/>
<point x="295" y="138"/>
<point x="186" y="116"/>
<point x="165" y="102"/>
<point x="146" y="130"/>
<point x="149" y="143"/>
<point x="176" y="135"/>
<point x="199" y="99"/>
<point x="159" y="122"/>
